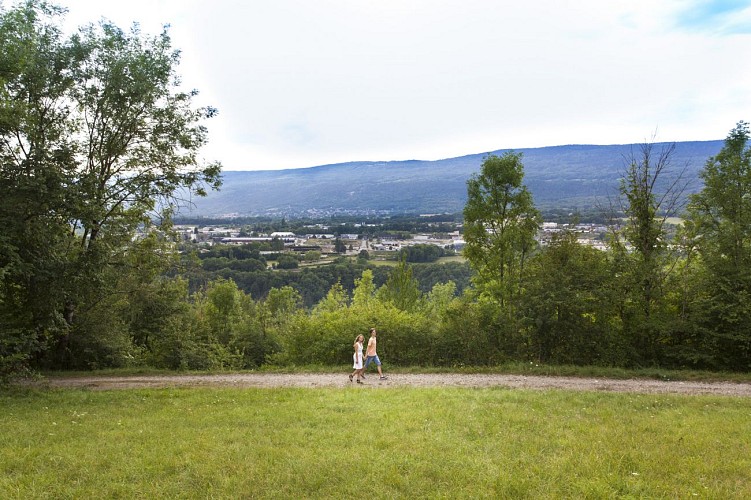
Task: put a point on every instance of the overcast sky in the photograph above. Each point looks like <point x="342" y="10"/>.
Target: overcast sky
<point x="300" y="83"/>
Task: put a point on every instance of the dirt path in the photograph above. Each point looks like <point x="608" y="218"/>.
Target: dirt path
<point x="403" y="380"/>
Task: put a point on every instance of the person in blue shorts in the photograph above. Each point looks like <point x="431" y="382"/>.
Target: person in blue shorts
<point x="372" y="355"/>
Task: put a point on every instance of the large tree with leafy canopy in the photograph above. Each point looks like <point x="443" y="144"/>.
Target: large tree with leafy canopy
<point x="719" y="225"/>
<point x="500" y="223"/>
<point x="97" y="140"/>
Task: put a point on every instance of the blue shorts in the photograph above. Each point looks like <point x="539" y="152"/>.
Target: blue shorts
<point x="374" y="359"/>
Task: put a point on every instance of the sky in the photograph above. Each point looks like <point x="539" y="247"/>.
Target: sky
<point x="300" y="83"/>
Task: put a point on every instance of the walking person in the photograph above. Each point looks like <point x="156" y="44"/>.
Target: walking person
<point x="372" y="355"/>
<point x="357" y="358"/>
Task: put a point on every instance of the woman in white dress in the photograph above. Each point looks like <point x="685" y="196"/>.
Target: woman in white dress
<point x="357" y="357"/>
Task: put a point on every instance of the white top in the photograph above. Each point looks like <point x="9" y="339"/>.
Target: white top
<point x="357" y="356"/>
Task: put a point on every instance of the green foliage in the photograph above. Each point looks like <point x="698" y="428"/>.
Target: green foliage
<point x="719" y="226"/>
<point x="363" y="295"/>
<point x="401" y="289"/>
<point x="222" y="329"/>
<point x="187" y="343"/>
<point x="151" y="304"/>
<point x="100" y="339"/>
<point x="500" y="222"/>
<point x="287" y="262"/>
<point x="339" y="246"/>
<point x="314" y="282"/>
<point x="440" y="298"/>
<point x="36" y="161"/>
<point x="429" y="275"/>
<point x="325" y="338"/>
<point x="649" y="199"/>
<point x="421" y="253"/>
<point x="688" y="341"/>
<point x="96" y="141"/>
<point x="245" y="265"/>
<point x="471" y="333"/>
<point x="570" y="307"/>
<point x="282" y="302"/>
<point x="334" y="301"/>
<point x="407" y="335"/>
<point x="312" y="256"/>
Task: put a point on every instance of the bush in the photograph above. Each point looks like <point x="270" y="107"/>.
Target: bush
<point x="287" y="262"/>
<point x="186" y="344"/>
<point x="98" y="339"/>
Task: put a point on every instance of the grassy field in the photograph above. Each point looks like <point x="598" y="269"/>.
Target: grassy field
<point x="359" y="442"/>
<point x="392" y="262"/>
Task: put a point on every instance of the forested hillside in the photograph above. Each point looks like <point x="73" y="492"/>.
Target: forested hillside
<point x="573" y="177"/>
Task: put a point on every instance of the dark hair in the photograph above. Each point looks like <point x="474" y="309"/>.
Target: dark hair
<point x="372" y="330"/>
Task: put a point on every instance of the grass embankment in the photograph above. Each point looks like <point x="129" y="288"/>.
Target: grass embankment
<point x="355" y="442"/>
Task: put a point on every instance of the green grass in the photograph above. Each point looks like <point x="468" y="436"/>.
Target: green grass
<point x="452" y="258"/>
<point x="383" y="263"/>
<point x="360" y="442"/>
<point x="392" y="261"/>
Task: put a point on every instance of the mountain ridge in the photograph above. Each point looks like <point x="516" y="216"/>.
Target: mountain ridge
<point x="574" y="176"/>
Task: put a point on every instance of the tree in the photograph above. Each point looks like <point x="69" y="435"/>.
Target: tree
<point x="286" y="261"/>
<point x="336" y="300"/>
<point x="500" y="223"/>
<point x="401" y="288"/>
<point x="223" y="309"/>
<point x="312" y="256"/>
<point x="96" y="140"/>
<point x="422" y="253"/>
<point x="339" y="246"/>
<point x="36" y="162"/>
<point x="568" y="305"/>
<point x="277" y="244"/>
<point x="719" y="224"/>
<point x="282" y="303"/>
<point x="363" y="294"/>
<point x="650" y="194"/>
<point x="440" y="298"/>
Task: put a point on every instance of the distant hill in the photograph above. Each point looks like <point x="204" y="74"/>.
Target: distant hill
<point x="560" y="176"/>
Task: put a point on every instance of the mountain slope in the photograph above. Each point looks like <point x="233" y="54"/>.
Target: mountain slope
<point x="559" y="176"/>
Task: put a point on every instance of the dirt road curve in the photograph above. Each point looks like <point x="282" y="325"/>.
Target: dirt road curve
<point x="403" y="380"/>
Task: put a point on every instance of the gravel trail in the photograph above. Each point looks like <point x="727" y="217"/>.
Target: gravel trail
<point x="402" y="380"/>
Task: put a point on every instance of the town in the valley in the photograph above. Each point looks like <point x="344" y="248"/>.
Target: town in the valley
<point x="330" y="239"/>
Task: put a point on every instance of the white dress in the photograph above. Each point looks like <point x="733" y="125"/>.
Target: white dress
<point x="357" y="356"/>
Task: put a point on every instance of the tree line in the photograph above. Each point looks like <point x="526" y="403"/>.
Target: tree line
<point x="250" y="271"/>
<point x="657" y="297"/>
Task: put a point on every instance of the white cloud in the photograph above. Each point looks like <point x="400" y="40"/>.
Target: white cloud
<point x="302" y="83"/>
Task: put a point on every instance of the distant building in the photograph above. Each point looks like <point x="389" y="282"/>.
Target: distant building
<point x="282" y="235"/>
<point x="289" y="239"/>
